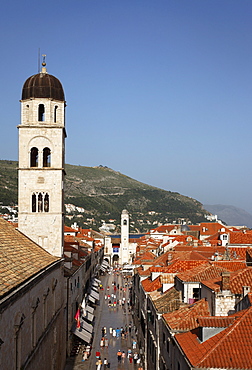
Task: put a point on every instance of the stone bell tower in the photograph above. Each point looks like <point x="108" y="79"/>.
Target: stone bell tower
<point x="124" y="248"/>
<point x="42" y="161"/>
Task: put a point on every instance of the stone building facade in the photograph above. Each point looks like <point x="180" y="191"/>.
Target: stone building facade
<point x="32" y="304"/>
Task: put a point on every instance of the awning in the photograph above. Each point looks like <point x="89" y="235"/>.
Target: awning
<point x="95" y="288"/>
<point x="102" y="268"/>
<point x="89" y="316"/>
<point x="85" y="325"/>
<point x="104" y="262"/>
<point x="95" y="295"/>
<point x="94" y="283"/>
<point x="90" y="309"/>
<point x="97" y="280"/>
<point x="91" y="299"/>
<point x="83" y="334"/>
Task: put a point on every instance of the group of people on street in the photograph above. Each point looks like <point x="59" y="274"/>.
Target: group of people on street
<point x="116" y="296"/>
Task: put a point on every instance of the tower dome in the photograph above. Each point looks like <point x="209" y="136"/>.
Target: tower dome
<point x="43" y="85"/>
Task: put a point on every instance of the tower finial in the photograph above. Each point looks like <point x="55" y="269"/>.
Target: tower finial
<point x="43" y="63"/>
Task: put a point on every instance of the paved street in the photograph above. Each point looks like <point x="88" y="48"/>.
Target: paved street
<point x="115" y="317"/>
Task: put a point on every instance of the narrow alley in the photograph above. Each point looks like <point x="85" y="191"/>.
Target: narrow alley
<point x="111" y="316"/>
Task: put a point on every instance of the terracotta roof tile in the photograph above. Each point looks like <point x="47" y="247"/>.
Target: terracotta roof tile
<point x="185" y="318"/>
<point x="201" y="273"/>
<point x="169" y="301"/>
<point x="20" y="257"/>
<point x="231" y="265"/>
<point x="150" y="286"/>
<point x="240" y="238"/>
<point x="229" y="349"/>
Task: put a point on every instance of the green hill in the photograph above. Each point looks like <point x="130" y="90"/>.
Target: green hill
<point x="104" y="193"/>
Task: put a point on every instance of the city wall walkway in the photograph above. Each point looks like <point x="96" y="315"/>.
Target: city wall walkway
<point x="115" y="317"/>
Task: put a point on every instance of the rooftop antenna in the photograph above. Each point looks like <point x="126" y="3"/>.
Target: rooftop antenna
<point x="38" y="59"/>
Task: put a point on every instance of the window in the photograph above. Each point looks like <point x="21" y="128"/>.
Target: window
<point x="27" y="112"/>
<point x="34" y="157"/>
<point x="55" y="113"/>
<point x="125" y="222"/>
<point x="46" y="157"/>
<point x="41" y="112"/>
<point x="40" y="202"/>
<point x="46" y="203"/>
<point x="34" y="203"/>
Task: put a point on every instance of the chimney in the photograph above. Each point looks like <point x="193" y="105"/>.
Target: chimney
<point x="225" y="280"/>
<point x="245" y="290"/>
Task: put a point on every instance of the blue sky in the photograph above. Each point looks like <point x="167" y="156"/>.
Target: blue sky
<point x="158" y="90"/>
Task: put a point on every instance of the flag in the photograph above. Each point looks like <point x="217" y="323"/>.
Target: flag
<point x="77" y="318"/>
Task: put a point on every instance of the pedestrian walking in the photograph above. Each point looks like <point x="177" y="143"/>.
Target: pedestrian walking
<point x="110" y="330"/>
<point x="134" y="343"/>
<point x="114" y="333"/>
<point x="105" y="363"/>
<point x="123" y="356"/>
<point x="119" y="356"/>
<point x="106" y="342"/>
<point x="130" y="328"/>
<point x="102" y="342"/>
<point x="99" y="364"/>
<point x="135" y="358"/>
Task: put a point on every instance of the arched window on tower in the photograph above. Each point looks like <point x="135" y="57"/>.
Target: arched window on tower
<point x="46" y="157"/>
<point x="55" y="113"/>
<point x="40" y="202"/>
<point x="27" y="112"/>
<point x="34" y="203"/>
<point x="46" y="203"/>
<point x="41" y="112"/>
<point x="125" y="222"/>
<point x="34" y="157"/>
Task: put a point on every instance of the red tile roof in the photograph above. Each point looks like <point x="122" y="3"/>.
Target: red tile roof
<point x="229" y="349"/>
<point x="201" y="273"/>
<point x="230" y="265"/>
<point x="216" y="321"/>
<point x="240" y="237"/>
<point x="145" y="257"/>
<point x="185" y="318"/>
<point x="150" y="286"/>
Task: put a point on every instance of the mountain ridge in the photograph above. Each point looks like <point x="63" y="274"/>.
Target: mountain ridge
<point x="104" y="193"/>
<point x="231" y="215"/>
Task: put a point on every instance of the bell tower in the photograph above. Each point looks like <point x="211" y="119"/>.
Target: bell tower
<point x="41" y="161"/>
<point x="124" y="248"/>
